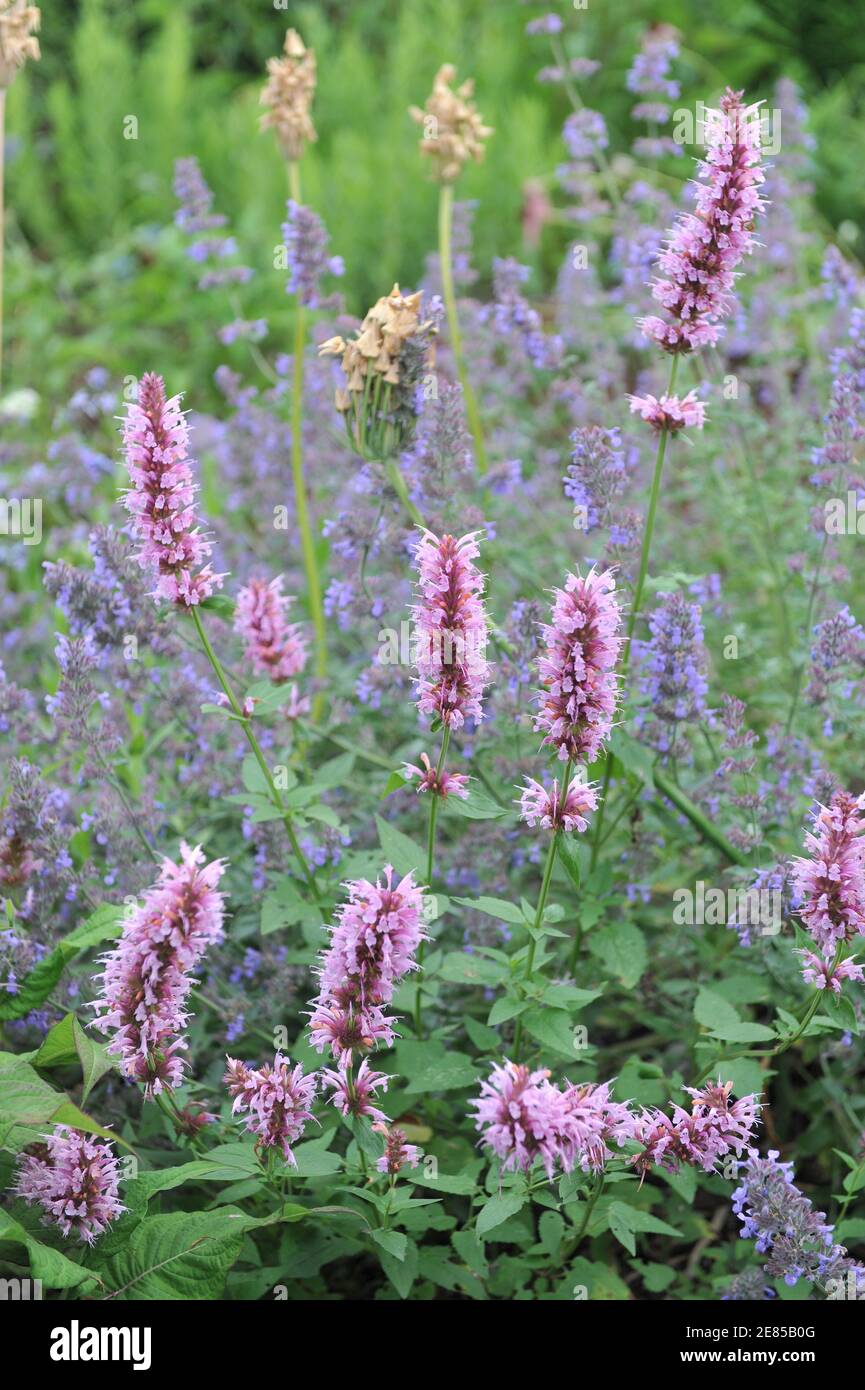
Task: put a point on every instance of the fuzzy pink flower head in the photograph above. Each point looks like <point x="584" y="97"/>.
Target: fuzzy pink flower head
<point x="714" y="1128"/>
<point x="146" y="978"/>
<point x="74" y="1179"/>
<point x="550" y="809"/>
<point x="823" y="974"/>
<point x="353" y="1095"/>
<point x="162" y="497"/>
<point x="450" y="629"/>
<point x="671" y="413"/>
<point x="594" y="1121"/>
<point x="698" y="263"/>
<point x="523" y="1117"/>
<point x="374" y="941"/>
<point x="274" y="647"/>
<point x="275" y="1101"/>
<point x="577" y="669"/>
<point x="348" y="1028"/>
<point x="397" y="1153"/>
<point x="440" y="784"/>
<point x="831" y="882"/>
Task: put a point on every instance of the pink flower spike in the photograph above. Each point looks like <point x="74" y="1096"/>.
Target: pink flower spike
<point x="577" y="669"/>
<point x="146" y="980"/>
<point x="275" y="1101"/>
<point x="672" y="413"/>
<point x="550" y="810"/>
<point x="397" y="1153"/>
<point x="451" y="629"/>
<point x="74" y="1179"/>
<point x="831" y="883"/>
<point x="698" y="264"/>
<point x="162" y="497"/>
<point x="274" y="647"/>
<point x="447" y="784"/>
<point x="819" y="972"/>
<point x="353" y="1095"/>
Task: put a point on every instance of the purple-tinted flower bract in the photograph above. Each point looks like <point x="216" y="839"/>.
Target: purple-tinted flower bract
<point x="451" y="629"/>
<point x="831" y="882"/>
<point x="577" y="669"/>
<point x="306" y="239"/>
<point x="274" y="647"/>
<point x="705" y="247"/>
<point x="74" y="1179"/>
<point x="146" y="980"/>
<point x="162" y="497"/>
<point x="274" y="1100"/>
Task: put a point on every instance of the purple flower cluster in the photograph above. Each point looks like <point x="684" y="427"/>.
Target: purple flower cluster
<point x="699" y="262"/>
<point x="305" y="238"/>
<point x="196" y="218"/>
<point x="274" y="1100"/>
<point x="831" y="881"/>
<point x="146" y="979"/>
<point x="673" y="669"/>
<point x="714" y="1127"/>
<point x="451" y="629"/>
<point x="577" y="669"/>
<point x="372" y="946"/>
<point x="74" y="1179"/>
<point x="782" y="1221"/>
<point x="558" y="810"/>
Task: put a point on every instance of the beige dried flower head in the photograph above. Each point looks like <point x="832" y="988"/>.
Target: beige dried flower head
<point x="288" y="93"/>
<point x="453" y="132"/>
<point x="383" y="367"/>
<point x="18" y="23"/>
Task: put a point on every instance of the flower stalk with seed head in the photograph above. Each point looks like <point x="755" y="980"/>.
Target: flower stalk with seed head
<point x="453" y="134"/>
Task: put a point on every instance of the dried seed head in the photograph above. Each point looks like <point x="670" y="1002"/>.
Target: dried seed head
<point x="18" y="23"/>
<point x="383" y="366"/>
<point x="288" y="94"/>
<point x="453" y="131"/>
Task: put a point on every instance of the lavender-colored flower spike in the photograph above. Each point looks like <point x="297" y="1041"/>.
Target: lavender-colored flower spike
<point x="274" y="646"/>
<point x="162" y="497"/>
<point x="74" y="1179"/>
<point x="451" y="629"/>
<point x="556" y="809"/>
<point x="275" y="1102"/>
<point x="305" y="238"/>
<point x="831" y="882"/>
<point x="784" y="1224"/>
<point x="705" y="247"/>
<point x="577" y="670"/>
<point x="146" y="980"/>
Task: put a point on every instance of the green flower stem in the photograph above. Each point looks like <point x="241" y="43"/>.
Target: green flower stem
<point x="259" y="756"/>
<point x="446" y="203"/>
<point x="397" y="482"/>
<point x="430" y="858"/>
<point x="539" y="913"/>
<point x="301" y="505"/>
<point x="637" y="599"/>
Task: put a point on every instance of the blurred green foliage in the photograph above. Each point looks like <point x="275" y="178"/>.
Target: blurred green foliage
<point x="89" y="201"/>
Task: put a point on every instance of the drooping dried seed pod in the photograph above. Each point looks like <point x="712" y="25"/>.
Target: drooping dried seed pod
<point x="288" y="95"/>
<point x="453" y="131"/>
<point x="18" y="23"/>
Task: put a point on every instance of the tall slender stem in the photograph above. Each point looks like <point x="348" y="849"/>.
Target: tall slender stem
<point x="637" y="599"/>
<point x="446" y="203"/>
<point x="430" y="859"/>
<point x="301" y="505"/>
<point x="539" y="910"/>
<point x="251" y="739"/>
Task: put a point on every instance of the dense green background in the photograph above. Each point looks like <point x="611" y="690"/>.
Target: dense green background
<point x="88" y="278"/>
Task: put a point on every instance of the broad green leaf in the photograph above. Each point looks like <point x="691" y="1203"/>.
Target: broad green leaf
<point x="498" y="1210"/>
<point x="182" y="1255"/>
<point x="405" y="856"/>
<point x="621" y="947"/>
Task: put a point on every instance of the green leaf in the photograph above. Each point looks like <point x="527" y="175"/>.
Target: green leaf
<point x="67" y="1042"/>
<point x="570" y="859"/>
<point x="55" y="1269"/>
<point x="551" y="1229"/>
<point x="621" y="947"/>
<point x="477" y="806"/>
<point x="405" y="856"/>
<point x="182" y="1255"/>
<point x="401" y="1273"/>
<point x="499" y="908"/>
<point x="553" y="1028"/>
<point x="394" y="1242"/>
<point x="498" y="1210"/>
<point x="715" y="1012"/>
<point x="505" y="1009"/>
<point x="431" y="1067"/>
<point x="467" y="968"/>
<point x="34" y="989"/>
<point x="314" y="1160"/>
